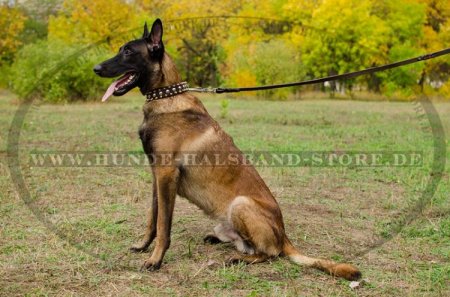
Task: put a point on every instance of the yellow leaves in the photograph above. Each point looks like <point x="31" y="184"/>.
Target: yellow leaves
<point x="244" y="78"/>
<point x="437" y="11"/>
<point x="337" y="43"/>
<point x="436" y="36"/>
<point x="300" y="10"/>
<point x="445" y="89"/>
<point x="88" y="21"/>
<point x="12" y="23"/>
<point x="199" y="8"/>
<point x="431" y="39"/>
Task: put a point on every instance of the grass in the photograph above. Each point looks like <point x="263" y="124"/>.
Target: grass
<point x="329" y="212"/>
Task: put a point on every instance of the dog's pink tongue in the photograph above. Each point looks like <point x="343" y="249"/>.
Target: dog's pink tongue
<point x="110" y="91"/>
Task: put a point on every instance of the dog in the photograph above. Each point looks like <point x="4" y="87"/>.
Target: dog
<point x="234" y="194"/>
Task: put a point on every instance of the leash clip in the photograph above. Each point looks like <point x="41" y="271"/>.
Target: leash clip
<point x="202" y="90"/>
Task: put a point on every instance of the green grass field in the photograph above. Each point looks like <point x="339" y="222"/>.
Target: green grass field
<point x="332" y="212"/>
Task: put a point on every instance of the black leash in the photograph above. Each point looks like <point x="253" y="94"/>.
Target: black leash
<point x="324" y="79"/>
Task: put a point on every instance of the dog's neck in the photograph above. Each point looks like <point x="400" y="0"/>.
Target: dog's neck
<point x="163" y="74"/>
<point x="167" y="75"/>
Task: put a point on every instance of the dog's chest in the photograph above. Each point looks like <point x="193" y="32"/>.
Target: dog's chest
<point x="197" y="193"/>
<point x="147" y="136"/>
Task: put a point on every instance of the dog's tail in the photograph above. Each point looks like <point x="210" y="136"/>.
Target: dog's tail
<point x="344" y="270"/>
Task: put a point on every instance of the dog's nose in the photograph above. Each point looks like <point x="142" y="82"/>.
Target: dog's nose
<point x="97" y="68"/>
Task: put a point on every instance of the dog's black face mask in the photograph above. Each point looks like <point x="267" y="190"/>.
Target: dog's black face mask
<point x="136" y="62"/>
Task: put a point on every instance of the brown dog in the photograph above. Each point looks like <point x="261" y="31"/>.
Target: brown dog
<point x="234" y="194"/>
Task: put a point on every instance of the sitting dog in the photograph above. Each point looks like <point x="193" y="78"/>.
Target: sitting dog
<point x="233" y="193"/>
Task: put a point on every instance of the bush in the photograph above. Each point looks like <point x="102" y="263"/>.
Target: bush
<point x="267" y="63"/>
<point x="55" y="72"/>
<point x="401" y="82"/>
<point x="5" y="70"/>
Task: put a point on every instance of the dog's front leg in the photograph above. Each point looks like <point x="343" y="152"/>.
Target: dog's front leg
<point x="150" y="231"/>
<point x="166" y="186"/>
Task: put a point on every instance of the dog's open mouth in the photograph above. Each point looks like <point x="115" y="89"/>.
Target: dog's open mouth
<point x="122" y="85"/>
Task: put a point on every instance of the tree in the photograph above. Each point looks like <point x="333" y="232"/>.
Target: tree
<point x="196" y="36"/>
<point x="405" y="20"/>
<point x="343" y="36"/>
<point x="12" y="22"/>
<point x="266" y="63"/>
<point x="436" y="37"/>
<point x="37" y="13"/>
<point x="260" y="50"/>
<point x="86" y="22"/>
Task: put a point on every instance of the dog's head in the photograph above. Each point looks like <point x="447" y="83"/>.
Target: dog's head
<point x="137" y="62"/>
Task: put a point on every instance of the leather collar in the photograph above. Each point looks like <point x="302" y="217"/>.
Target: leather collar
<point x="168" y="91"/>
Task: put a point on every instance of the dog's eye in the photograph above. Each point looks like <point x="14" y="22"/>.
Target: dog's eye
<point x="127" y="52"/>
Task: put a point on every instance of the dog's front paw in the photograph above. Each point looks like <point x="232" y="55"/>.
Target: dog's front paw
<point x="138" y="248"/>
<point x="151" y="265"/>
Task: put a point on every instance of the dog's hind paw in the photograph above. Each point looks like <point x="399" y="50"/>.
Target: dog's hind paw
<point x="234" y="261"/>
<point x="211" y="239"/>
<point x="138" y="249"/>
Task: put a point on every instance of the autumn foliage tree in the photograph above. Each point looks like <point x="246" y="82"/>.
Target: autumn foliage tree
<point x="12" y="22"/>
<point x="197" y="39"/>
<point x="87" y="22"/>
<point x="436" y="33"/>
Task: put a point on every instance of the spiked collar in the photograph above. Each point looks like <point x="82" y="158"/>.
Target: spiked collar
<point x="168" y="91"/>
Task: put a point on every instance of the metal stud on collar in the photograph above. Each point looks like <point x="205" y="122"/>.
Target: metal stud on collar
<point x="168" y="91"/>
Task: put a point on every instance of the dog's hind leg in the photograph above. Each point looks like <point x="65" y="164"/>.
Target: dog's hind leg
<point x="211" y="238"/>
<point x="219" y="235"/>
<point x="224" y="232"/>
<point x="150" y="231"/>
<point x="257" y="229"/>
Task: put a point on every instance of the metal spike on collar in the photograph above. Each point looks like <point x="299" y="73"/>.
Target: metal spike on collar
<point x="168" y="91"/>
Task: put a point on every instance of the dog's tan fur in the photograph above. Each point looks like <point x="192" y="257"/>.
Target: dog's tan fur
<point x="236" y="196"/>
<point x="233" y="194"/>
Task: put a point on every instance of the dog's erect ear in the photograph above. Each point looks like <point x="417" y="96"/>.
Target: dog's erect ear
<point x="154" y="40"/>
<point x="155" y="36"/>
<point x="145" y="35"/>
